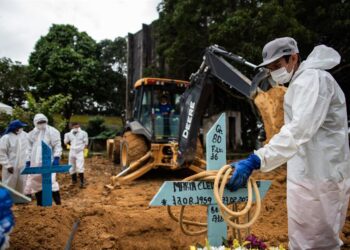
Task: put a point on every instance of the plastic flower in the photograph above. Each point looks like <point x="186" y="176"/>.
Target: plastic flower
<point x="280" y="247"/>
<point x="253" y="242"/>
<point x="236" y="244"/>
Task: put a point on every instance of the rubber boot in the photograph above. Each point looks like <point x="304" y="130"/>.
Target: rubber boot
<point x="74" y="179"/>
<point x="56" y="197"/>
<point x="82" y="181"/>
<point x="39" y="198"/>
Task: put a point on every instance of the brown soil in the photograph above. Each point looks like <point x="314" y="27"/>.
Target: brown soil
<point x="121" y="219"/>
<point x="270" y="105"/>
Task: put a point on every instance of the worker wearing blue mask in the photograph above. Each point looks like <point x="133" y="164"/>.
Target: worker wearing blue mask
<point x="313" y="142"/>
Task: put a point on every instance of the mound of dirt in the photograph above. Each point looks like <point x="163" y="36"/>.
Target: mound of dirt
<point x="122" y="219"/>
<point x="270" y="105"/>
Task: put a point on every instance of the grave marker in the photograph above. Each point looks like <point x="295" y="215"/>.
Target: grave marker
<point x="46" y="170"/>
<point x="182" y="193"/>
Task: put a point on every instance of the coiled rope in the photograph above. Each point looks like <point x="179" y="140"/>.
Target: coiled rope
<point x="220" y="178"/>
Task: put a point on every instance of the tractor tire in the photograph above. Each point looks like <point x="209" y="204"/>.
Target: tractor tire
<point x="110" y="149"/>
<point x="116" y="149"/>
<point x="132" y="148"/>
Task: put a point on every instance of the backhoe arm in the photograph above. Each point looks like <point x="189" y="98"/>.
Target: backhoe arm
<point x="214" y="70"/>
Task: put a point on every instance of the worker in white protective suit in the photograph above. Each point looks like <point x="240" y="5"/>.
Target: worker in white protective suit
<point x="313" y="142"/>
<point x="51" y="136"/>
<point x="13" y="147"/>
<point x="78" y="140"/>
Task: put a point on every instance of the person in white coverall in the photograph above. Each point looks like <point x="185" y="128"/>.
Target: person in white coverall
<point x="313" y="142"/>
<point x="78" y="141"/>
<point x="13" y="147"/>
<point x="51" y="136"/>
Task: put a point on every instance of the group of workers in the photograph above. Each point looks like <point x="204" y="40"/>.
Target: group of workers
<point x="19" y="149"/>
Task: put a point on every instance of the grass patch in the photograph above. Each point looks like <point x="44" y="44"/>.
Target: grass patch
<point x="111" y="122"/>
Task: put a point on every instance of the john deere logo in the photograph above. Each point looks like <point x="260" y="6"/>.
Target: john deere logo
<point x="189" y="120"/>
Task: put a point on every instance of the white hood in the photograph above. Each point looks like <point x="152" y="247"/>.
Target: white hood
<point x="322" y="57"/>
<point x="39" y="117"/>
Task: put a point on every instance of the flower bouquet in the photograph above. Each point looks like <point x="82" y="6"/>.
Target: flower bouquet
<point x="251" y="243"/>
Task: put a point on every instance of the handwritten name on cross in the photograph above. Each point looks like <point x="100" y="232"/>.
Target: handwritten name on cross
<point x="181" y="193"/>
<point x="46" y="170"/>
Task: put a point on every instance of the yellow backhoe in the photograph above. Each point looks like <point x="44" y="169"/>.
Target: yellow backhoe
<point x="149" y="139"/>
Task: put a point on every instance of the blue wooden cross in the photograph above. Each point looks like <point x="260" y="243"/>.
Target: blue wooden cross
<point x="46" y="170"/>
<point x="180" y="193"/>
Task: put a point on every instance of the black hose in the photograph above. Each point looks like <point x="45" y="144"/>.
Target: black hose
<point x="71" y="236"/>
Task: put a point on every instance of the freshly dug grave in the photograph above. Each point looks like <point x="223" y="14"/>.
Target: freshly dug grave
<point x="121" y="219"/>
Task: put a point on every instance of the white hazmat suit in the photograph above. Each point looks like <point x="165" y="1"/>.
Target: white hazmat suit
<point x="13" y="149"/>
<point x="78" y="140"/>
<point x="51" y="137"/>
<point x="314" y="143"/>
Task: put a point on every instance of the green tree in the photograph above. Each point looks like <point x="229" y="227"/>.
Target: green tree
<point x="186" y="27"/>
<point x="182" y="34"/>
<point x="96" y="126"/>
<point x="51" y="107"/>
<point x="65" y="62"/>
<point x="13" y="81"/>
<point x="112" y="80"/>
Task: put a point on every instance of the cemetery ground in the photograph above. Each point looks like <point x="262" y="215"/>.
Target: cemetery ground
<point x="122" y="219"/>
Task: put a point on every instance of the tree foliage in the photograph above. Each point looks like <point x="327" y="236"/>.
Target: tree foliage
<point x="112" y="80"/>
<point x="51" y="107"/>
<point x="13" y="81"/>
<point x="65" y="62"/>
<point x="95" y="126"/>
<point x="186" y="27"/>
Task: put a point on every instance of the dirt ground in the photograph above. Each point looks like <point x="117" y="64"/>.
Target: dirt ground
<point x="122" y="219"/>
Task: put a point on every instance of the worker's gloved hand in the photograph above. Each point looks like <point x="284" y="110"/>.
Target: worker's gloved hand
<point x="243" y="169"/>
<point x="27" y="164"/>
<point x="56" y="161"/>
